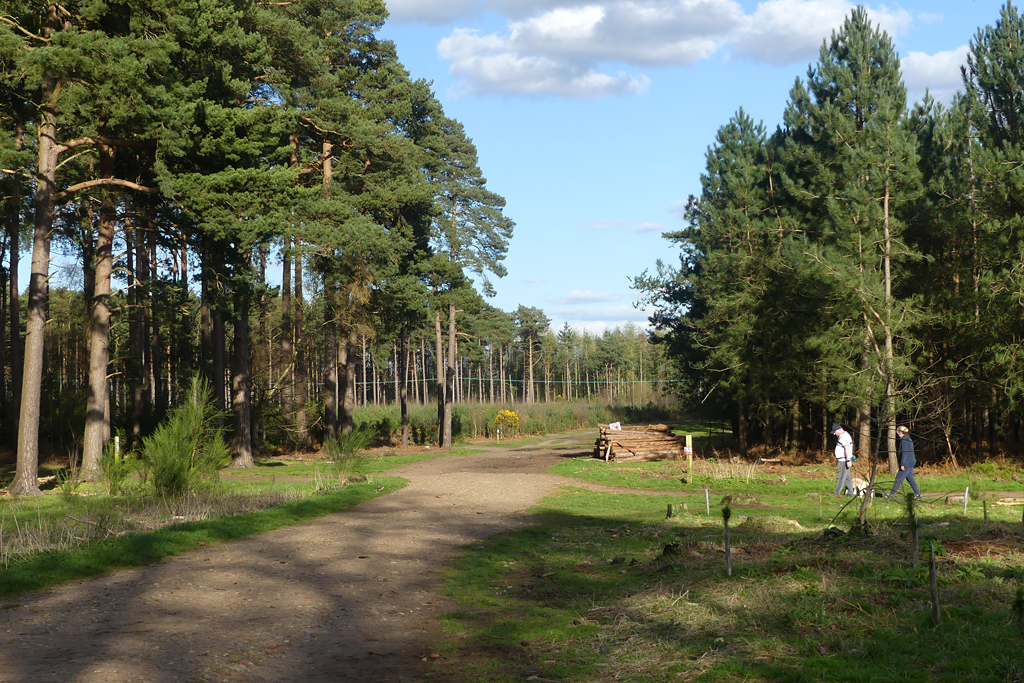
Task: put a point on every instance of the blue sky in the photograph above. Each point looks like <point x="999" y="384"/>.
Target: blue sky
<point x="592" y="118"/>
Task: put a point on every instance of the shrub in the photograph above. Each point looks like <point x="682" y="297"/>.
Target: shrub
<point x="116" y="468"/>
<point x="184" y="452"/>
<point x="344" y="450"/>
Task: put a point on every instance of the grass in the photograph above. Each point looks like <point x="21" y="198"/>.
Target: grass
<point x="58" y="537"/>
<point x="101" y="556"/>
<point x="604" y="587"/>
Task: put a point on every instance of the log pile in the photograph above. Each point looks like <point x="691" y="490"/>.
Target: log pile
<point x="637" y="442"/>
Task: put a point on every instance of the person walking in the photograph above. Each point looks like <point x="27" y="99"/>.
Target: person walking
<point x="844" y="461"/>
<point x="905" y="456"/>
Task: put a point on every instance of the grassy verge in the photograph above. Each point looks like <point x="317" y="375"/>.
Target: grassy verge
<point x="99" y="557"/>
<point x="605" y="587"/>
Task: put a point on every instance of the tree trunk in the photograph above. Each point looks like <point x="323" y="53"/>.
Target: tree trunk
<point x="449" y="376"/>
<point x="529" y="390"/>
<point x="331" y="369"/>
<point x="286" y="373"/>
<point x="742" y="431"/>
<point x="301" y="378"/>
<point x="403" y="387"/>
<point x="439" y="355"/>
<point x="27" y="468"/>
<point x="890" y="363"/>
<point x="501" y="372"/>
<point x="241" y="397"/>
<point x="97" y="416"/>
<point x="219" y="343"/>
<point x="157" y="352"/>
<point x="349" y="397"/>
<point x="14" y="235"/>
<point x="144" y="292"/>
<point x="424" y="388"/>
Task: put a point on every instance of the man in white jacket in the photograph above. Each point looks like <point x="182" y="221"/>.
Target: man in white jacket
<point x="844" y="461"/>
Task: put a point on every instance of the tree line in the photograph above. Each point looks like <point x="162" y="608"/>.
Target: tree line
<point x="171" y="155"/>
<point x="618" y="366"/>
<point x="170" y="148"/>
<point x="863" y="263"/>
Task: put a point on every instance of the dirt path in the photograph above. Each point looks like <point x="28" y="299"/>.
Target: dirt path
<point x="349" y="597"/>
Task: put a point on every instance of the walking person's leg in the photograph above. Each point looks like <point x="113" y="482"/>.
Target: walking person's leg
<point x="847" y="479"/>
<point x="913" y="484"/>
<point x="840" y="470"/>
<point x="900" y="476"/>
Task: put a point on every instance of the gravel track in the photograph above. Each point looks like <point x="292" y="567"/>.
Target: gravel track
<point x="346" y="597"/>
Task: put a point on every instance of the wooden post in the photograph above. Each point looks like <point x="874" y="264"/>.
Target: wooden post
<point x="726" y="513"/>
<point x="707" y="500"/>
<point x="689" y="456"/>
<point x="967" y="492"/>
<point x="912" y="509"/>
<point x="936" y="614"/>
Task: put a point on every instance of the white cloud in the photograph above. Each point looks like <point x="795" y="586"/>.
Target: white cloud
<point x="598" y="327"/>
<point x="607" y="315"/>
<point x="491" y="64"/>
<point x="430" y="11"/>
<point x="939" y="73"/>
<point x="628" y="226"/>
<point x="594" y="48"/>
<point x="534" y="280"/>
<point x="585" y="296"/>
<point x="788" y="31"/>
<point x="567" y="50"/>
<point x="678" y="207"/>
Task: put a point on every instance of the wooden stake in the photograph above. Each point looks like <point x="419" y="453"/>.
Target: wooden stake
<point x="936" y="614"/>
<point x="726" y="513"/>
<point x="912" y="509"/>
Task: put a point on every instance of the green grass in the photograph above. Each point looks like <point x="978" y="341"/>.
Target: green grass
<point x="268" y="468"/>
<point x="604" y="587"/>
<point x="55" y="516"/>
<point x="138" y="549"/>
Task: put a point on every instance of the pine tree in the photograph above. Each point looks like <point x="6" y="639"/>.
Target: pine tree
<point x="852" y="164"/>
<point x="994" y="83"/>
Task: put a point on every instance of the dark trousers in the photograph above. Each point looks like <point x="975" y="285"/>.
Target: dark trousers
<point x="908" y="474"/>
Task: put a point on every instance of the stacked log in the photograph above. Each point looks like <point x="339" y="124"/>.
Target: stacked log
<point x="637" y="442"/>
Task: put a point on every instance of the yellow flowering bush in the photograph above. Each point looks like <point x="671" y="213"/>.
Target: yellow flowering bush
<point x="507" y="421"/>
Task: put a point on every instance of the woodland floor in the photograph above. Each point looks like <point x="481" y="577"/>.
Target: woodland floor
<point x="347" y="597"/>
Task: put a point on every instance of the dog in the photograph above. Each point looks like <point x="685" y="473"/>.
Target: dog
<point x="860" y="487"/>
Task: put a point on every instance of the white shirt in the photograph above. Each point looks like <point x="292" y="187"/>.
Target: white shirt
<point x="844" y="446"/>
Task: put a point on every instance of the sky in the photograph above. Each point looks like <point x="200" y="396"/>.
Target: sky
<point x="592" y="118"/>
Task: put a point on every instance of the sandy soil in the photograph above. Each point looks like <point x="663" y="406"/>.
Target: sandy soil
<point x="349" y="597"/>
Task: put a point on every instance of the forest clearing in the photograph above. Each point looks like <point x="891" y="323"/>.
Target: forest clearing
<point x="258" y="420"/>
<point x="536" y="559"/>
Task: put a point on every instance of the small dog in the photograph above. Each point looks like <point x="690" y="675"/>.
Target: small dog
<point x="860" y="487"/>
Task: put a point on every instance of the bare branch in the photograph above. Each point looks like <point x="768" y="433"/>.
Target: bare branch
<point x="18" y="27"/>
<point x="100" y="140"/>
<point x="104" y="182"/>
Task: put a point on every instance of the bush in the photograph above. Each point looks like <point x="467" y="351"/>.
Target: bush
<point x="184" y="452"/>
<point x="344" y="450"/>
<point x="116" y="468"/>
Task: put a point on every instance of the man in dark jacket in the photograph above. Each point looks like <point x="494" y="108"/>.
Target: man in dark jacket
<point x="905" y="455"/>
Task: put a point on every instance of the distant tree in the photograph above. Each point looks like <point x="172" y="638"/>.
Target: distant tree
<point x="531" y="325"/>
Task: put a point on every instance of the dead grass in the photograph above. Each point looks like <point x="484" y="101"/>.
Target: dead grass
<point x="92" y="519"/>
